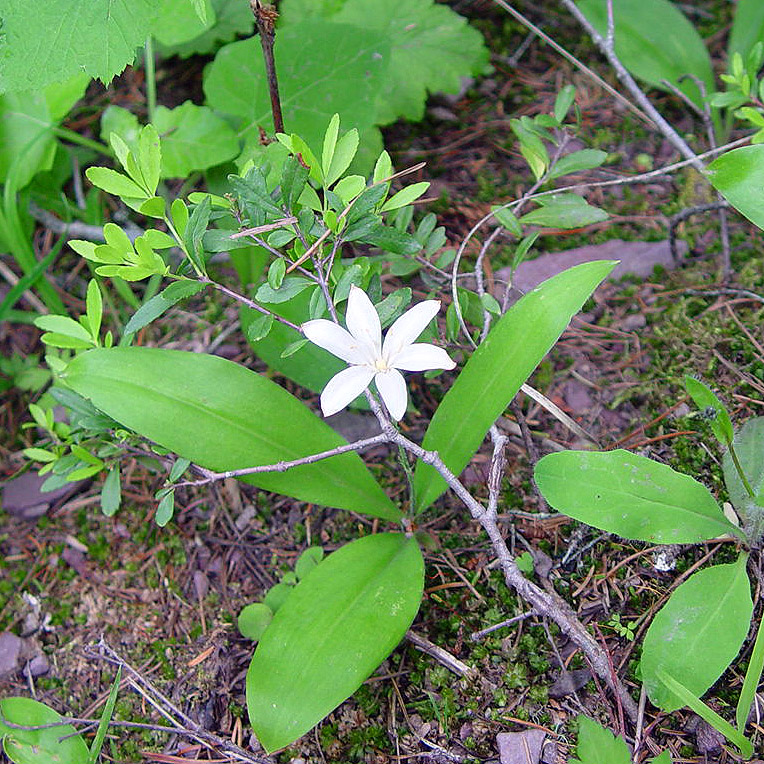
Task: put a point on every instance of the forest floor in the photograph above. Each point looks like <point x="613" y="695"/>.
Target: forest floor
<point x="166" y="600"/>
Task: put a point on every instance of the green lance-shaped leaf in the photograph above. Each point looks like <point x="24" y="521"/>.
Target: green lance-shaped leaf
<point x="656" y="42"/>
<point x="497" y="369"/>
<point x="738" y="176"/>
<point x="224" y="417"/>
<point x="628" y="494"/>
<point x="334" y="629"/>
<point x="698" y="633"/>
<point x="59" y="744"/>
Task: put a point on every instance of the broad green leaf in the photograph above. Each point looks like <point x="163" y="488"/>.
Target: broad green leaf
<point x="705" y="399"/>
<point x="323" y="68"/>
<point x="52" y="745"/>
<point x="95" y="37"/>
<point x="656" y="42"/>
<point x="179" y="21"/>
<point x="27" y="120"/>
<point x="698" y="632"/>
<point x="564" y="211"/>
<point x="497" y="369"/>
<point x="586" y="159"/>
<point x="335" y="628"/>
<point x="738" y="176"/>
<point x="193" y="138"/>
<point x="747" y="27"/>
<point x="432" y="48"/>
<point x="749" y="447"/>
<point x="225" y="417"/>
<point x="632" y="496"/>
<point x="597" y="745"/>
<point x="253" y="620"/>
<point x="233" y="18"/>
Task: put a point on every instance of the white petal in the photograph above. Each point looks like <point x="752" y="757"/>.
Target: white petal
<point x="392" y="388"/>
<point x="362" y="322"/>
<point x="335" y="339"/>
<point x="422" y="356"/>
<point x="344" y="388"/>
<point x="407" y="328"/>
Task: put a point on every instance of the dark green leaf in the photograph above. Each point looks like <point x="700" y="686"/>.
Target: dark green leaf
<point x="225" y="417"/>
<point x="633" y="496"/>
<point x="497" y="369"/>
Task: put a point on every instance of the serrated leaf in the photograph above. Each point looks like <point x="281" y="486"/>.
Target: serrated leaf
<point x="698" y="632"/>
<point x="334" y="629"/>
<point x="432" y="48"/>
<point x="225" y="417"/>
<point x="193" y="138"/>
<point x="95" y="37"/>
<point x="323" y="68"/>
<point x="632" y="496"/>
<point x="500" y="365"/>
<point x="656" y="42"/>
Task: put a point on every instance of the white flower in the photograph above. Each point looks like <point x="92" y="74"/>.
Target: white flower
<point x="369" y="358"/>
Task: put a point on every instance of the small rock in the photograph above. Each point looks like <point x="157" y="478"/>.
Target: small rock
<point x="520" y="747"/>
<point x="10" y="653"/>
<point x="23" y="498"/>
<point x="38" y="666"/>
<point x="569" y="682"/>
